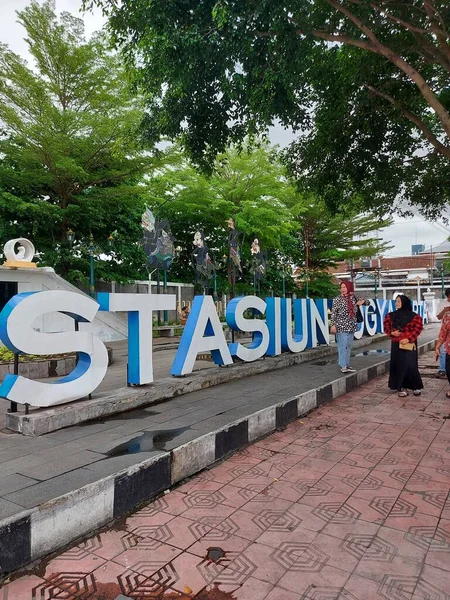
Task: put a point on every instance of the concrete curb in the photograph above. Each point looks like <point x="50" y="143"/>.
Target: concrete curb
<point x="32" y="534"/>
<point x="42" y="421"/>
<point x="40" y="369"/>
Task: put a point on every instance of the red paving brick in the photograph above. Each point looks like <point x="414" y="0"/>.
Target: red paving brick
<point x="349" y="503"/>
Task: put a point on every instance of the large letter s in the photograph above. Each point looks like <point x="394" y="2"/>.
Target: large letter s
<point x="17" y="333"/>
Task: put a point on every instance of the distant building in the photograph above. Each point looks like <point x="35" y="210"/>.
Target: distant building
<point x="440" y="251"/>
<point x="405" y="269"/>
<point x="425" y="268"/>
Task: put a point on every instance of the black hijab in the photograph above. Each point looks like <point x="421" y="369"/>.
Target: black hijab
<point x="402" y="316"/>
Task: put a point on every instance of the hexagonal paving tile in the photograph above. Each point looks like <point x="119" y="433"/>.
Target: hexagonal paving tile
<point x="299" y="556"/>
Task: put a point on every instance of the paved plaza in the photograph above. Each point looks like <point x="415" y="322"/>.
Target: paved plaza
<point x="38" y="470"/>
<point x="348" y="503"/>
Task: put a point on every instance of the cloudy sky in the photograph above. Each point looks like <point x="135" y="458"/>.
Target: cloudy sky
<point x="402" y="234"/>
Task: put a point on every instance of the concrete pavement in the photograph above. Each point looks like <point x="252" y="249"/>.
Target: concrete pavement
<point x="350" y="502"/>
<point x="72" y="481"/>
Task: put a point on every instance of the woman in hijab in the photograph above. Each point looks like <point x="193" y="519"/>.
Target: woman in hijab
<point x="404" y="326"/>
<point x="444" y="338"/>
<point x="343" y="323"/>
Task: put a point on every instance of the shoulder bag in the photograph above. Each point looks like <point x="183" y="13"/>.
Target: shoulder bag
<point x="410" y="346"/>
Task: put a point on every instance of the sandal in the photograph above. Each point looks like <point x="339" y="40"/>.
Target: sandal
<point x="403" y="394"/>
<point x="447" y="394"/>
<point x="416" y="393"/>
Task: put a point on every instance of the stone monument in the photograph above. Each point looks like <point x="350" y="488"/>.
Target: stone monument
<point x="19" y="254"/>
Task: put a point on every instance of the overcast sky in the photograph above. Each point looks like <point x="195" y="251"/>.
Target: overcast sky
<point x="403" y="234"/>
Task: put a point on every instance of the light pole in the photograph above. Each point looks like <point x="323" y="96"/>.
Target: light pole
<point x="307" y="245"/>
<point x="442" y="280"/>
<point x="376" y="278"/>
<point x="376" y="275"/>
<point x="92" y="249"/>
<point x="215" y="286"/>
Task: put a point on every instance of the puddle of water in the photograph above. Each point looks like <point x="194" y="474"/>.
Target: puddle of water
<point x="371" y="352"/>
<point x="322" y="363"/>
<point x="130" y="415"/>
<point x="146" y="442"/>
<point x="215" y="554"/>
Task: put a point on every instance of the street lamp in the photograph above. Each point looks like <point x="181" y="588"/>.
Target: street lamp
<point x="92" y="249"/>
<point x="307" y="247"/>
<point x="375" y="275"/>
<point x="442" y="280"/>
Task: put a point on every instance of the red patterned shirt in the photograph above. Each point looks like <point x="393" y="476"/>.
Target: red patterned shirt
<point x="444" y="332"/>
<point x="410" y="331"/>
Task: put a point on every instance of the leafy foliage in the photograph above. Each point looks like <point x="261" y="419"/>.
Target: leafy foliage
<point x="71" y="148"/>
<point x="249" y="186"/>
<point x="364" y="82"/>
<point x="252" y="187"/>
<point x="7" y="356"/>
<point x="327" y="239"/>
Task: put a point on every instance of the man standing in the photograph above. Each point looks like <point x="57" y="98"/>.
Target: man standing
<point x="442" y="309"/>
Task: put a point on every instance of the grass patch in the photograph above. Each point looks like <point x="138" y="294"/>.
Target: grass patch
<point x="6" y="356"/>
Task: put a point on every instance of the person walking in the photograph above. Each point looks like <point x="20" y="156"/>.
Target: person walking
<point x="444" y="342"/>
<point x="442" y="309"/>
<point x="344" y="323"/>
<point x="404" y="326"/>
<point x="184" y="314"/>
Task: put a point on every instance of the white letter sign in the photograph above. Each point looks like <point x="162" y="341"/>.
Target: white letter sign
<point x="17" y="333"/>
<point x="202" y="333"/>
<point x="140" y="309"/>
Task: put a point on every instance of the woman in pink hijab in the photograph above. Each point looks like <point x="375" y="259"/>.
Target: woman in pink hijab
<point x="343" y="323"/>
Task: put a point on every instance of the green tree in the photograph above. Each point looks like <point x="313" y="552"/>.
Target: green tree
<point x="249" y="186"/>
<point x="325" y="239"/>
<point x="293" y="228"/>
<point x="365" y="81"/>
<point x="72" y="156"/>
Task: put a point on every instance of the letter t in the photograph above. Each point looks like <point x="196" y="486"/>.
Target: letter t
<point x="140" y="309"/>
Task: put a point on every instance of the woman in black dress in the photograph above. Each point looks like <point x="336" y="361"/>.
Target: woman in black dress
<point x="404" y="326"/>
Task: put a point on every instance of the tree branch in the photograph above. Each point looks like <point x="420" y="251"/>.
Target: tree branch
<point x="441" y="148"/>
<point x="355" y="20"/>
<point x="412" y="73"/>
<point x="441" y="35"/>
<point x="430" y="9"/>
<point x="329" y="37"/>
<point x="342" y="39"/>
<point x="430" y="52"/>
<point x="374" y="45"/>
<point x="397" y="20"/>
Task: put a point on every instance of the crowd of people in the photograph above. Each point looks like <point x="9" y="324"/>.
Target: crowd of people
<point x="403" y="326"/>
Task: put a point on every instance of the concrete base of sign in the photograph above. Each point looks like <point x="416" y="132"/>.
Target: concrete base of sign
<point x="19" y="264"/>
<point x="40" y="369"/>
<point x="42" y="421"/>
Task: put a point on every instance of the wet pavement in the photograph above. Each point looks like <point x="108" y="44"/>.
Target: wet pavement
<point x="349" y="503"/>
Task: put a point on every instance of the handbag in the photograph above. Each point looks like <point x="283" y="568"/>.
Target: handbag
<point x="409" y="346"/>
<point x="359" y="315"/>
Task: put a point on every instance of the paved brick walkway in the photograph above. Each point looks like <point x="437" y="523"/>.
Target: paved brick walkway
<point x="351" y="502"/>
